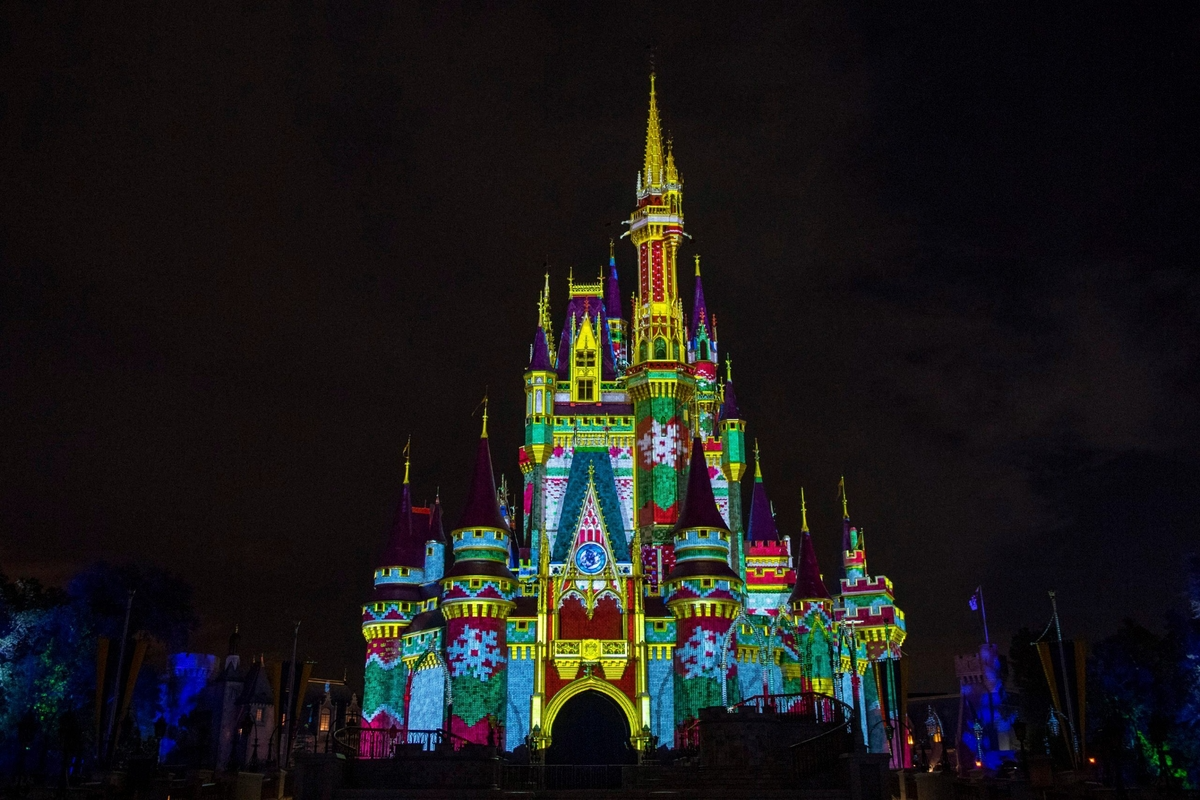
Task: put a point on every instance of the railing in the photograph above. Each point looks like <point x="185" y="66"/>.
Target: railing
<point x="537" y="777"/>
<point x="375" y="743"/>
<point x="687" y="737"/>
<point x="808" y="706"/>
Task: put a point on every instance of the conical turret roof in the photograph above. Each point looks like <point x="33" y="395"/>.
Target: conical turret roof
<point x="437" y="531"/>
<point x="540" y="359"/>
<point x="699" y="504"/>
<point x="762" y="526"/>
<point x="612" y="292"/>
<point x="809" y="585"/>
<point x="482" y="509"/>
<point x="406" y="547"/>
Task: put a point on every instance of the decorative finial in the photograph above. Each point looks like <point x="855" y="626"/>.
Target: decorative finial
<point x="697" y="265"/>
<point x="611" y="251"/>
<point x="407" y="450"/>
<point x="728" y="368"/>
<point x="842" y="492"/>
<point x="484" y="403"/>
<point x="570" y="278"/>
<point x="803" y="512"/>
<point x="757" y="461"/>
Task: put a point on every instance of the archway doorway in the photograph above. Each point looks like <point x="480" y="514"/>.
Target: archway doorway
<point x="590" y="729"/>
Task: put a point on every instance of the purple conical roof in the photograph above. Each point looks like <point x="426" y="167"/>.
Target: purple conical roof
<point x="700" y="317"/>
<point x="762" y="523"/>
<point x="437" y="532"/>
<point x="405" y="547"/>
<point x="729" y="408"/>
<point x="612" y="292"/>
<point x="540" y="360"/>
<point x="482" y="509"/>
<point x="809" y="585"/>
<point x="699" y="505"/>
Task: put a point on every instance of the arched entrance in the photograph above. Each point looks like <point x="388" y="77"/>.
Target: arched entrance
<point x="590" y="728"/>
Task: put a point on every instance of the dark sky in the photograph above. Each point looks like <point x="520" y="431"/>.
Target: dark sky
<point x="247" y="250"/>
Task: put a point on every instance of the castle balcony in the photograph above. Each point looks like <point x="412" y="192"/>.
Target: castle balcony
<point x="611" y="655"/>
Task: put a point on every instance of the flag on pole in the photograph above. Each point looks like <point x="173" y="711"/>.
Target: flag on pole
<point x="974" y="601"/>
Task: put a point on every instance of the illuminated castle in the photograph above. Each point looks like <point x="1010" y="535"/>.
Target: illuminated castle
<point x="632" y="575"/>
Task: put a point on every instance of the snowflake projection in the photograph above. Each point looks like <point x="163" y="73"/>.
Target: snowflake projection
<point x="474" y="652"/>
<point x="700" y="653"/>
<point x="660" y="444"/>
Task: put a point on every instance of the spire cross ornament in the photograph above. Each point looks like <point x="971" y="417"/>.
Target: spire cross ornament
<point x="407" y="450"/>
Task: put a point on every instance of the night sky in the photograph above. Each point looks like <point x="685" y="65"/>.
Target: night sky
<point x="245" y="251"/>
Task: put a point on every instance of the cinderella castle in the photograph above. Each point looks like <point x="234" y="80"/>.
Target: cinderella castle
<point x="634" y="584"/>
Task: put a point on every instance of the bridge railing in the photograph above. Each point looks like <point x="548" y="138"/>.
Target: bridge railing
<point x="808" y="706"/>
<point x="377" y="743"/>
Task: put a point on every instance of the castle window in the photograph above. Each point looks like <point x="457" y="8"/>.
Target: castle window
<point x="586" y="390"/>
<point x="478" y="534"/>
<point x="703" y="351"/>
<point x="643" y="351"/>
<point x="660" y="626"/>
<point x="586" y="358"/>
<point x="660" y="349"/>
<point x="258" y="715"/>
<point x="706" y="583"/>
<point x="675" y="350"/>
<point x="703" y="534"/>
<point x="523" y="625"/>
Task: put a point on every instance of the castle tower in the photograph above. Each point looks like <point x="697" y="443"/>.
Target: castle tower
<point x="769" y="570"/>
<point x="618" y="331"/>
<point x="478" y="594"/>
<point x="812" y="611"/>
<point x="394" y="602"/>
<point x="867" y="605"/>
<point x="705" y="597"/>
<point x="661" y="382"/>
<point x="435" y="545"/>
<point x="733" y="465"/>
<point x="702" y="354"/>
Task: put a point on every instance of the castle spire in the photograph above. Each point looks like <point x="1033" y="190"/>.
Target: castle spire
<point x="803" y="512"/>
<point x="407" y="451"/>
<point x="405" y="548"/>
<point x="762" y="522"/>
<point x="652" y="169"/>
<point x="482" y="509"/>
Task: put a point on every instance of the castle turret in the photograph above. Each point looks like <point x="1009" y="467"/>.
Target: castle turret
<point x="435" y="545"/>
<point x="733" y="465"/>
<point x="617" y="331"/>
<point x="768" y="561"/>
<point x="478" y="596"/>
<point x="812" y="611"/>
<point x="396" y="599"/>
<point x="661" y="382"/>
<point x="704" y="595"/>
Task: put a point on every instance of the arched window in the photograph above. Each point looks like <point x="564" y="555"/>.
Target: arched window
<point x="642" y="352"/>
<point x="703" y="351"/>
<point x="660" y="349"/>
<point x="675" y="350"/>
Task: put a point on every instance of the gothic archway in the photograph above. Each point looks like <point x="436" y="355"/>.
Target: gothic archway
<point x="590" y="728"/>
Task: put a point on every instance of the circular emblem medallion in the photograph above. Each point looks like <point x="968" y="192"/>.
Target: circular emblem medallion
<point x="590" y="558"/>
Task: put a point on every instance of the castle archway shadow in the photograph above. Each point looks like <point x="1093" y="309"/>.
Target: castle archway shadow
<point x="590" y="728"/>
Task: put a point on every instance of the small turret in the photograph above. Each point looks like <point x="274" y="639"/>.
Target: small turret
<point x="810" y="584"/>
<point x="702" y="539"/>
<point x="702" y="341"/>
<point x="435" y="544"/>
<point x="404" y="559"/>
<point x="617" y="332"/>
<point x="854" y="556"/>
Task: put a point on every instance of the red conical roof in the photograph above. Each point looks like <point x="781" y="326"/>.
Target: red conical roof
<point x="809" y="585"/>
<point x="405" y="547"/>
<point x="699" y="504"/>
<point x="483" y="507"/>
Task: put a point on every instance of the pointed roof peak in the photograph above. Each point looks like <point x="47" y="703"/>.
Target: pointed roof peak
<point x="407" y="453"/>
<point x="762" y="526"/>
<point x="437" y="531"/>
<point x="653" y="163"/>
<point x="809" y="583"/>
<point x="699" y="504"/>
<point x="803" y="512"/>
<point x="757" y="463"/>
<point x="482" y="509"/>
<point x="842" y="494"/>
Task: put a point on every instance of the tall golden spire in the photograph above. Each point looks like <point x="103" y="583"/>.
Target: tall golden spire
<point x="652" y="170"/>
<point x="842" y="492"/>
<point x="672" y="172"/>
<point x="697" y="265"/>
<point x="803" y="512"/>
<point x="757" y="462"/>
<point x="485" y="412"/>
